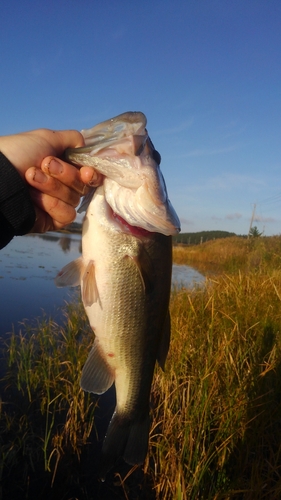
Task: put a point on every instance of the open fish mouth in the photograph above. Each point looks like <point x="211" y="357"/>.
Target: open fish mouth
<point x="105" y="133"/>
<point x="121" y="150"/>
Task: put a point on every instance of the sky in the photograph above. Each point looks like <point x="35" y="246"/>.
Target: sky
<point x="206" y="73"/>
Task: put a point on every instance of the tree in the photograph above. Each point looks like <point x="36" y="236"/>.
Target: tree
<point x="254" y="232"/>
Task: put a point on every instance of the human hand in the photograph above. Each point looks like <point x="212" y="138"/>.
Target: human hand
<point x="55" y="186"/>
<point x="56" y="189"/>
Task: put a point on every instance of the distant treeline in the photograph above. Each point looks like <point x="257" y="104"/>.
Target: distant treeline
<point x="201" y="237"/>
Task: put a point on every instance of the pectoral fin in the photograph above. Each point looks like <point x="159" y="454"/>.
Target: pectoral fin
<point x="70" y="275"/>
<point x="164" y="342"/>
<point x="97" y="376"/>
<point x="90" y="292"/>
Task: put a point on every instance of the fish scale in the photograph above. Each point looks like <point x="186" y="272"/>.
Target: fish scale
<point x="125" y="277"/>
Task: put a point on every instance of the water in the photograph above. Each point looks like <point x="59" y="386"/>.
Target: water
<point x="186" y="276"/>
<point x="28" y="266"/>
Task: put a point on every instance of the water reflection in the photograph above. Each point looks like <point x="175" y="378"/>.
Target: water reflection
<point x="65" y="243"/>
<point x="186" y="276"/>
<point x="28" y="266"/>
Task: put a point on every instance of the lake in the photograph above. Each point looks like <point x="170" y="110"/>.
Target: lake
<point x="28" y="266"/>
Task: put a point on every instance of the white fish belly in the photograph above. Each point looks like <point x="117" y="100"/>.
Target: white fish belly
<point x="117" y="316"/>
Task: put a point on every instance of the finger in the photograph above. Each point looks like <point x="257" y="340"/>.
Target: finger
<point x="90" y="176"/>
<point x="60" y="212"/>
<point x="53" y="187"/>
<point x="43" y="222"/>
<point x="69" y="139"/>
<point x="60" y="140"/>
<point x="64" y="172"/>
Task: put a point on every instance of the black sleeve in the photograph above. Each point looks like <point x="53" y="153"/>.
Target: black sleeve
<point x="17" y="213"/>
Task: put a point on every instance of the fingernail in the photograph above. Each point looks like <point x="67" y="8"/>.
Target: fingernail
<point x="95" y="180"/>
<point x="39" y="176"/>
<point x="53" y="167"/>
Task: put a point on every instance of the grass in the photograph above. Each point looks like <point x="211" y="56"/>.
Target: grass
<point x="232" y="254"/>
<point x="44" y="415"/>
<point x="216" y="415"/>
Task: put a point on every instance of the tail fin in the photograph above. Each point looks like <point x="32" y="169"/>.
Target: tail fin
<point x="125" y="438"/>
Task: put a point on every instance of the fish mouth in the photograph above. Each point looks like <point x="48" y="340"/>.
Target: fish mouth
<point x="103" y="135"/>
<point x="121" y="150"/>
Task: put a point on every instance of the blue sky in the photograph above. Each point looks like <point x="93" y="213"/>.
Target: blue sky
<point x="207" y="74"/>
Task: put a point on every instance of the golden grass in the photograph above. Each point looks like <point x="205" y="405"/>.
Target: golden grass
<point x="217" y="423"/>
<point x="216" y="413"/>
<point x="231" y="254"/>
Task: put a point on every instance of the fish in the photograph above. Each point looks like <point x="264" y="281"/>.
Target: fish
<point x="125" y="277"/>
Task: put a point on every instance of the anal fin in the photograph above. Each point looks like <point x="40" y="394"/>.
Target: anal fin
<point x="97" y="376"/>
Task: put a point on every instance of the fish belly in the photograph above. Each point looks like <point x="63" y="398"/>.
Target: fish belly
<point x="127" y="316"/>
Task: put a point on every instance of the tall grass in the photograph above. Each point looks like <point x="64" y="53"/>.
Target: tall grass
<point x="217" y="416"/>
<point x="216" y="413"/>
<point x="232" y="254"/>
<point x="45" y="416"/>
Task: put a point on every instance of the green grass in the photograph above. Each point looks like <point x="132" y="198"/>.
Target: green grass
<point x="216" y="412"/>
<point x="45" y="416"/>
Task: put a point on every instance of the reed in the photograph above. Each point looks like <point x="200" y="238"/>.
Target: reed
<point x="44" y="413"/>
<point x="232" y="255"/>
<point x="216" y="421"/>
<point x="216" y="415"/>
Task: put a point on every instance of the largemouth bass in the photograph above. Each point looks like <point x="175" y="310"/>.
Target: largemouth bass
<point x="125" y="276"/>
